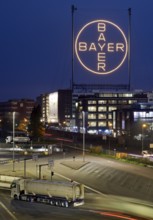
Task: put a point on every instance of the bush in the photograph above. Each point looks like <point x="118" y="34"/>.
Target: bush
<point x="97" y="149"/>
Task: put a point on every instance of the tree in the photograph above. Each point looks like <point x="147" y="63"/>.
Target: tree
<point x="36" y="128"/>
<point x="23" y="124"/>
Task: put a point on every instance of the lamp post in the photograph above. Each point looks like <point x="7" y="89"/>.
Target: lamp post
<point x="142" y="133"/>
<point x="13" y="139"/>
<point x="110" y="129"/>
<point x="83" y="130"/>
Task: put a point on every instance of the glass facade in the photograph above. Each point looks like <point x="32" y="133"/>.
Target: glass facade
<point x="101" y="106"/>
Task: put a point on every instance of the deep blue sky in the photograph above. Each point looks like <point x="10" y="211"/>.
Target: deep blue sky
<point x="35" y="44"/>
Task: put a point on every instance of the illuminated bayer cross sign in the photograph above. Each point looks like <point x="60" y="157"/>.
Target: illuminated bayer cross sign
<point x="101" y="47"/>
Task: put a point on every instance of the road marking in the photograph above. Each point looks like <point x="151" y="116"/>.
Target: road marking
<point x="7" y="210"/>
<point x="94" y="190"/>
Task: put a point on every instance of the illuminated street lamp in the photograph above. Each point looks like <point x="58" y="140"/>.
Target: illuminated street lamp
<point x="142" y="133"/>
<point x="110" y="129"/>
<point x="13" y="139"/>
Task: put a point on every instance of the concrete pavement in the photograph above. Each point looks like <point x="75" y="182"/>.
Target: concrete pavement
<point x="108" y="176"/>
<point x="30" y="167"/>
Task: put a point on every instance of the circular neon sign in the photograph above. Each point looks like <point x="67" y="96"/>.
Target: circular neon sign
<point x="101" y="47"/>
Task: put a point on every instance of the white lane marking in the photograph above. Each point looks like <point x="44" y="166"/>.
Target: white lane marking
<point x="94" y="190"/>
<point x="7" y="210"/>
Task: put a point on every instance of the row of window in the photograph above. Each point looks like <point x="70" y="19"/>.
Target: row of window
<point x="99" y="108"/>
<point x="97" y="116"/>
<point x="116" y="95"/>
<point x="97" y="124"/>
<point x="109" y="95"/>
<point x="94" y="102"/>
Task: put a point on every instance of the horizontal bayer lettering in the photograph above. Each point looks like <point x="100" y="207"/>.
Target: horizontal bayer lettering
<point x="107" y="47"/>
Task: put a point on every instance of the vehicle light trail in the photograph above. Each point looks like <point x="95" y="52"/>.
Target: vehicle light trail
<point x="116" y="215"/>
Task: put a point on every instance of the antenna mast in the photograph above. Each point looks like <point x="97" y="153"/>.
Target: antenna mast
<point x="129" y="49"/>
<point x="73" y="8"/>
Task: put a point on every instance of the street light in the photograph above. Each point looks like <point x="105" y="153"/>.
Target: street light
<point x="13" y="139"/>
<point x="142" y="133"/>
<point x="110" y="130"/>
<point x="83" y="130"/>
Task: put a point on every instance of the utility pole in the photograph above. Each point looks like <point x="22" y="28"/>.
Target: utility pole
<point x="25" y="167"/>
<point x="129" y="49"/>
<point x="84" y="131"/>
<point x="13" y="140"/>
<point x="73" y="9"/>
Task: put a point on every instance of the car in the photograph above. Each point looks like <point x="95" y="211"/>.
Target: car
<point x="57" y="148"/>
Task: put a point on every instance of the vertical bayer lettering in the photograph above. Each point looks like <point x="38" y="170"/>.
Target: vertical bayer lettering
<point x="101" y="56"/>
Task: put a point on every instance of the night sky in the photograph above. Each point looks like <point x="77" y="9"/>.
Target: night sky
<point x="35" y="44"/>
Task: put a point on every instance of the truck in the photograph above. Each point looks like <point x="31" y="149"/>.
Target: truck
<point x="17" y="139"/>
<point x="147" y="153"/>
<point x="55" y="193"/>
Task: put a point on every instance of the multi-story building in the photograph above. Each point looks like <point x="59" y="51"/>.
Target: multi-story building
<point x="99" y="108"/>
<point x="56" y="107"/>
<point x="134" y="118"/>
<point x="22" y="109"/>
<point x="43" y="101"/>
<point x="98" y="102"/>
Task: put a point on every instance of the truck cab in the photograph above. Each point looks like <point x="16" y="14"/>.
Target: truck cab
<point x="16" y="188"/>
<point x="9" y="139"/>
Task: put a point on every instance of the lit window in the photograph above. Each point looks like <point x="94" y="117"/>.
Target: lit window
<point x="143" y="115"/>
<point x="109" y="116"/>
<point x="101" y="123"/>
<point x="102" y="102"/>
<point x="91" y="109"/>
<point x="91" y="116"/>
<point x="80" y="108"/>
<point x="92" y="123"/>
<point x="101" y="116"/>
<point x="131" y="101"/>
<point x="91" y="102"/>
<point x="102" y="109"/>
<point x="111" y="108"/>
<point x="108" y="95"/>
<point x="125" y="95"/>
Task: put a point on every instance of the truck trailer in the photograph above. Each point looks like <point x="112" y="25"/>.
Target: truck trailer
<point x="57" y="193"/>
<point x="17" y="139"/>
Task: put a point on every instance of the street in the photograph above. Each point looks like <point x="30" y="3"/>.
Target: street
<point x="110" y="185"/>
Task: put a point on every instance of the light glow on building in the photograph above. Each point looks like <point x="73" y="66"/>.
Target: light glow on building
<point x="53" y="107"/>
